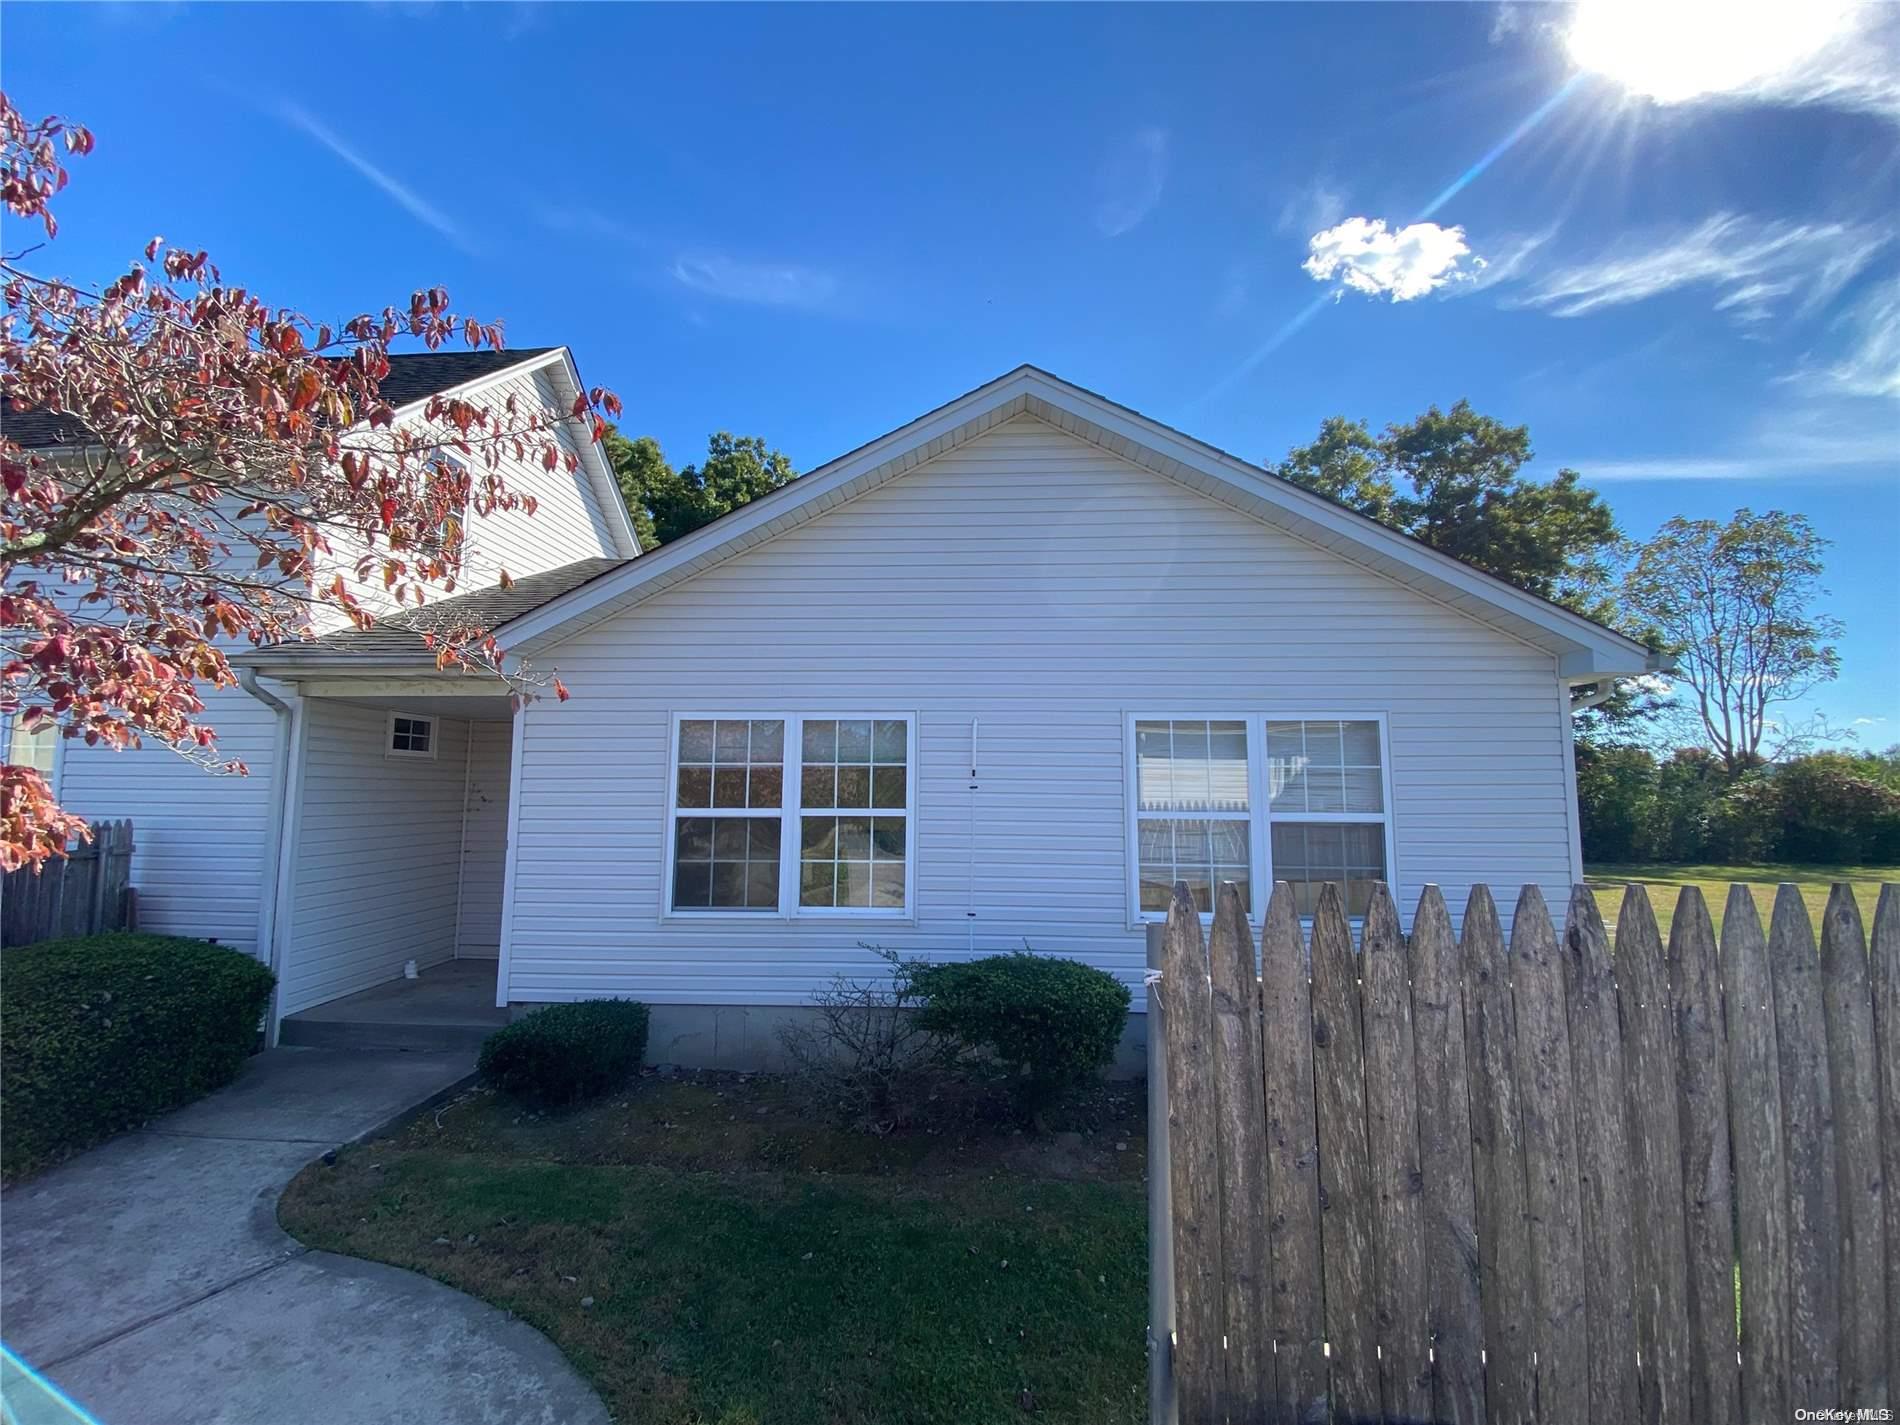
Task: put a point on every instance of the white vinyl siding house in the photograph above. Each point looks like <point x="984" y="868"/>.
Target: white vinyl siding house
<point x="206" y="844"/>
<point x="1027" y="598"/>
<point x="1001" y="676"/>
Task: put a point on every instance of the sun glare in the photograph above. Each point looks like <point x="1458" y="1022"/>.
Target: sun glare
<point x="1675" y="50"/>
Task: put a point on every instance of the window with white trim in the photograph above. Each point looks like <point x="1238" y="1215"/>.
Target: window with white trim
<point x="729" y="790"/>
<point x="1317" y="813"/>
<point x="1326" y="806"/>
<point x="36" y="747"/>
<point x="1194" y="810"/>
<point x="825" y="831"/>
<point x="411" y="736"/>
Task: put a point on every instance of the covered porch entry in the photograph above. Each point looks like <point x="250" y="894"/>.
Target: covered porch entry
<point x="388" y="914"/>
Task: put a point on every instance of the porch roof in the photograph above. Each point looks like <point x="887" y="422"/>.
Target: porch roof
<point x="400" y="638"/>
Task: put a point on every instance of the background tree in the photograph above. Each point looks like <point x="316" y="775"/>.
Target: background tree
<point x="218" y="449"/>
<point x="668" y="503"/>
<point x="1453" y="480"/>
<point x="1733" y="602"/>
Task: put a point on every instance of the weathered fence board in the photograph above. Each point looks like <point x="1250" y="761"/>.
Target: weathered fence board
<point x="1345" y="1166"/>
<point x="1497" y="1132"/>
<point x="1807" y="1110"/>
<point x="85" y="892"/>
<point x="1883" y="963"/>
<point x="1603" y="1155"/>
<point x="1861" y="1262"/>
<point x="1702" y="1063"/>
<point x="1559" y="1317"/>
<point x="1405" y="1370"/>
<point x="1293" y="1235"/>
<point x="1660" y="1261"/>
<point x="1193" y="1166"/>
<point x="1241" y="1115"/>
<point x="1448" y="1214"/>
<point x="1524" y="1186"/>
<point x="1761" y="1173"/>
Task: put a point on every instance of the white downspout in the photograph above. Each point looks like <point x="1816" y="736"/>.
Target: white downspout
<point x="268" y="949"/>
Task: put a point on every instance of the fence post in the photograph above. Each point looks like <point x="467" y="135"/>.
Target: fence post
<point x="1161" y="1404"/>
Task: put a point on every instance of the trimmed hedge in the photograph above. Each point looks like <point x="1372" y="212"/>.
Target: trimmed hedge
<point x="1056" y="1022"/>
<point x="102" y="1033"/>
<point x="567" y="1052"/>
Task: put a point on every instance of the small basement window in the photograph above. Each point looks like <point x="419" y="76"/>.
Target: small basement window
<point x="411" y="736"/>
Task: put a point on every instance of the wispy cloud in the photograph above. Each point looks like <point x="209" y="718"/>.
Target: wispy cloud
<point x="1751" y="266"/>
<point x="1315" y="205"/>
<point x="1130" y="180"/>
<point x="1871" y="365"/>
<point x="587" y="222"/>
<point x="1363" y="255"/>
<point x="403" y="196"/>
<point x="1827" y="442"/>
<point x="765" y="284"/>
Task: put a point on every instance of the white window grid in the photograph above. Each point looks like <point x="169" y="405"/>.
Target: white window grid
<point x="790" y="814"/>
<point x="403" y="731"/>
<point x="1260" y="816"/>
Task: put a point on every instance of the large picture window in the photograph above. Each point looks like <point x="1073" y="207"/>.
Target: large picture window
<point x="1316" y="813"/>
<point x="791" y="815"/>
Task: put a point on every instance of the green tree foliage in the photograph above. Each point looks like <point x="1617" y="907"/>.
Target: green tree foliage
<point x="1733" y="603"/>
<point x="1836" y="808"/>
<point x="666" y="503"/>
<point x="1453" y="479"/>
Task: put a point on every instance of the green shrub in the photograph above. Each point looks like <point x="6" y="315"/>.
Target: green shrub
<point x="1054" y="1022"/>
<point x="567" y="1052"/>
<point x="101" y="1033"/>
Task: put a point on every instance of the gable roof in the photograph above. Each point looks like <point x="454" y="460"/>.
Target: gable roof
<point x="413" y="376"/>
<point x="1585" y="650"/>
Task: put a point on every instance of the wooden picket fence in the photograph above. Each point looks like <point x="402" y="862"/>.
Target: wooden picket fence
<point x="1441" y="1178"/>
<point x="85" y="892"/>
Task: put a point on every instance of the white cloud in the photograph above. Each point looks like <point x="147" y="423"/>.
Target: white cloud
<point x="1751" y="264"/>
<point x="766" y="284"/>
<point x="1130" y="180"/>
<point x="1871" y="366"/>
<point x="1868" y="721"/>
<point x="404" y="197"/>
<point x="1366" y="256"/>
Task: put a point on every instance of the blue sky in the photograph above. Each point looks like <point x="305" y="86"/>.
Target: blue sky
<point x="813" y="224"/>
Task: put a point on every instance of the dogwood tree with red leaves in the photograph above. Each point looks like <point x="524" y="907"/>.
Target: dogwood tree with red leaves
<point x="225" y="464"/>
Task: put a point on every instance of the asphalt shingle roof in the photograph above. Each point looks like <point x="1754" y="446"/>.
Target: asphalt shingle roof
<point x="413" y="376"/>
<point x="402" y="633"/>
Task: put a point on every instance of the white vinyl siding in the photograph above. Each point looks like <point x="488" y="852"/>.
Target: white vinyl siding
<point x="484" y="841"/>
<point x="200" y="837"/>
<point x="1024" y="595"/>
<point x="567" y="524"/>
<point x="378" y="854"/>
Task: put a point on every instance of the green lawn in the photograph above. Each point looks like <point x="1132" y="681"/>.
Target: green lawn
<point x="748" y="1263"/>
<point x="1664" y="883"/>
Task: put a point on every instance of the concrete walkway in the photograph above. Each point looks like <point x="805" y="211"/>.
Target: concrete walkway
<point x="150" y="1281"/>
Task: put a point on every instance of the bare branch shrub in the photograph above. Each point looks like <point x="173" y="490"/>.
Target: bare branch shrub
<point x="864" y="1054"/>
